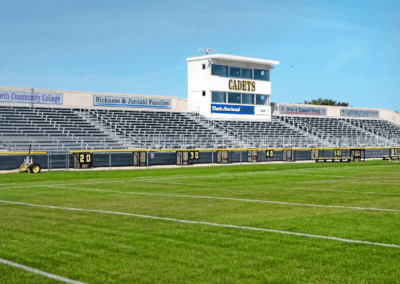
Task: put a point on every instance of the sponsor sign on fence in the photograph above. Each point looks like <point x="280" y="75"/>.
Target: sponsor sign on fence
<point x="31" y="98"/>
<point x="131" y="102"/>
<point x="302" y="110"/>
<point x="232" y="109"/>
<point x="359" y="113"/>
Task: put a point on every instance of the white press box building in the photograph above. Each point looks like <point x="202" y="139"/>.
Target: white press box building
<point x="225" y="86"/>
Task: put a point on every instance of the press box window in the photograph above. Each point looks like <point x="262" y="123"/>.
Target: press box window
<point x="247" y="99"/>
<point x="218" y="97"/>
<point x="219" y="70"/>
<point x="246" y="73"/>
<point x="204" y="93"/>
<point x="261" y="74"/>
<point x="235" y="72"/>
<point x="233" y="98"/>
<point x="261" y="99"/>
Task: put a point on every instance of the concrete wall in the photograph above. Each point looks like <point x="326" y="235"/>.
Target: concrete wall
<point x="334" y="111"/>
<point x="77" y="99"/>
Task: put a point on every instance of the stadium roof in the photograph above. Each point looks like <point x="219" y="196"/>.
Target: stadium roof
<point x="234" y="58"/>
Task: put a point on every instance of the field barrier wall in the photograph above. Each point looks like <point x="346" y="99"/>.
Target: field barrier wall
<point x="66" y="161"/>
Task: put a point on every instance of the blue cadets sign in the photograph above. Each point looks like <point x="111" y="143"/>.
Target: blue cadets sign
<point x="232" y="109"/>
<point x="130" y="102"/>
<point x="359" y="113"/>
<point x="31" y="98"/>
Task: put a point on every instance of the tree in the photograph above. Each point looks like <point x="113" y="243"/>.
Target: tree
<point x="326" y="102"/>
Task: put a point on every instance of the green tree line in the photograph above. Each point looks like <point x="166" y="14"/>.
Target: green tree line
<point x="326" y="102"/>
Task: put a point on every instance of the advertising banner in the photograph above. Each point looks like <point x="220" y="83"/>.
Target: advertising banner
<point x="302" y="110"/>
<point x="31" y="98"/>
<point x="359" y="113"/>
<point x="262" y="110"/>
<point x="232" y="109"/>
<point x="131" y="102"/>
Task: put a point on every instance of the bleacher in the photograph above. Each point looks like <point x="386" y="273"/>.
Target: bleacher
<point x="267" y="134"/>
<point x="59" y="130"/>
<point x="339" y="131"/>
<point x="49" y="129"/>
<point x="377" y="126"/>
<point x="159" y="129"/>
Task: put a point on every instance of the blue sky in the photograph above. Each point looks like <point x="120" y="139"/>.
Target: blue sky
<point x="344" y="50"/>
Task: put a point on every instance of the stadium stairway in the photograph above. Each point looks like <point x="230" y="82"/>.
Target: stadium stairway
<point x="106" y="126"/>
<point x="381" y="128"/>
<point x="265" y="133"/>
<point x="378" y="136"/>
<point x="231" y="136"/>
<point x="159" y="129"/>
<point x="304" y="128"/>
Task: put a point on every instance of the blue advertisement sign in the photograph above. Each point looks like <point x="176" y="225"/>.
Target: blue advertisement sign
<point x="32" y="98"/>
<point x="130" y="102"/>
<point x="359" y="113"/>
<point x="232" y="109"/>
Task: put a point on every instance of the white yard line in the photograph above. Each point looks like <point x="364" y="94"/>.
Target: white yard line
<point x="203" y="223"/>
<point x="349" y="181"/>
<point x="37" y="271"/>
<point x="226" y="175"/>
<point x="236" y="187"/>
<point x="166" y="182"/>
<point x="232" y="199"/>
<point x="158" y="181"/>
<point x="334" y="190"/>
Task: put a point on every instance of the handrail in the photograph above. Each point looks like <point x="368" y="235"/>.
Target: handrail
<point x="116" y="126"/>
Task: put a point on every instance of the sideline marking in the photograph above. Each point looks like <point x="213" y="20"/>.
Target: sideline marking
<point x="37" y="271"/>
<point x="333" y="190"/>
<point x="203" y="223"/>
<point x="232" y="199"/>
<point x="166" y="182"/>
<point x="238" y="187"/>
<point x="157" y="181"/>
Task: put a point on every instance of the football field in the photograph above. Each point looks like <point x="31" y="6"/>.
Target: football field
<point x="270" y="223"/>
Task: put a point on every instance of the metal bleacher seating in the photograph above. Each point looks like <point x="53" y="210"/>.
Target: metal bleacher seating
<point x="49" y="129"/>
<point x="267" y="134"/>
<point x="59" y="130"/>
<point x="377" y="126"/>
<point x="342" y="132"/>
<point x="158" y="129"/>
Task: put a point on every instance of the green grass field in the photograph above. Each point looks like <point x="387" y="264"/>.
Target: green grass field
<point x="231" y="224"/>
